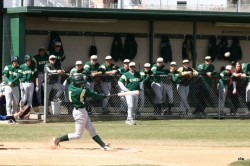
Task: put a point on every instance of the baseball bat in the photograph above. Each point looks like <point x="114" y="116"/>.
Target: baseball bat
<point x="134" y="92"/>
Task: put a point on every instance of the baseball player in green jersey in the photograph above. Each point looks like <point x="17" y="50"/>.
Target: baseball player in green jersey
<point x="130" y="81"/>
<point x="56" y="51"/>
<point x="168" y="84"/>
<point x="186" y="74"/>
<point x="77" y="95"/>
<point x="121" y="71"/>
<point x="224" y="80"/>
<point x="40" y="60"/>
<point x="27" y="78"/>
<point x="146" y="75"/>
<point x="108" y="70"/>
<point x="206" y="71"/>
<point x="11" y="81"/>
<point x="91" y="68"/>
<point x="158" y="70"/>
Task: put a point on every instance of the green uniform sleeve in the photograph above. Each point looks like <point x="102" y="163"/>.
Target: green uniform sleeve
<point x="94" y="94"/>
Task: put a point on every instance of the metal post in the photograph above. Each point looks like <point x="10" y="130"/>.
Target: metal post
<point x="1" y="32"/>
<point x="46" y="105"/>
<point x="238" y="5"/>
<point x="151" y="40"/>
<point x="194" y="56"/>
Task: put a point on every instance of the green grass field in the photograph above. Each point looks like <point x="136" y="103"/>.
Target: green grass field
<point x="232" y="133"/>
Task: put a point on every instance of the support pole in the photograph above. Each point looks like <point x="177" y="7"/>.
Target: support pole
<point x="194" y="57"/>
<point x="151" y="41"/>
<point x="1" y="32"/>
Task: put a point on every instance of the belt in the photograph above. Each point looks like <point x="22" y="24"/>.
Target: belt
<point x="78" y="108"/>
<point x="27" y="81"/>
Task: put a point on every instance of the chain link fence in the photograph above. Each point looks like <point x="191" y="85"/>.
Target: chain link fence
<point x="202" y="101"/>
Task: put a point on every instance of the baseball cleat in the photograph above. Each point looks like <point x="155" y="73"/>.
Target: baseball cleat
<point x="106" y="147"/>
<point x="56" y="142"/>
<point x="130" y="122"/>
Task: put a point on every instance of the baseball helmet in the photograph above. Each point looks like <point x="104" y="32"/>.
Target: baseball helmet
<point x="77" y="79"/>
<point x="27" y="58"/>
<point x="14" y="58"/>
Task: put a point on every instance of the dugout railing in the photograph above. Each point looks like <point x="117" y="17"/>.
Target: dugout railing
<point x="203" y="99"/>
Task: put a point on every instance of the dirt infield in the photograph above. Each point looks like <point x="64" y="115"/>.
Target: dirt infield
<point x="124" y="153"/>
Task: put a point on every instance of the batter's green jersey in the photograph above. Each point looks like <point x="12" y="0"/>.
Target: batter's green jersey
<point x="40" y="62"/>
<point x="131" y="80"/>
<point x="157" y="71"/>
<point x="28" y="73"/>
<point x="77" y="95"/>
<point x="11" y="74"/>
<point x="89" y="68"/>
<point x="103" y="68"/>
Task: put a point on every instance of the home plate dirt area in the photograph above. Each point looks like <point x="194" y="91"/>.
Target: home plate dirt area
<point x="126" y="152"/>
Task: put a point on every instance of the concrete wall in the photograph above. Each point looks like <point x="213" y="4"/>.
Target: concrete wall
<point x="77" y="47"/>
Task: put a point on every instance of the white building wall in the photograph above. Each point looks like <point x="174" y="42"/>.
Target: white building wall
<point x="77" y="47"/>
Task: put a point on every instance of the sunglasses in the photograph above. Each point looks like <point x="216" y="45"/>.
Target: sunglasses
<point x="94" y="59"/>
<point x="53" y="59"/>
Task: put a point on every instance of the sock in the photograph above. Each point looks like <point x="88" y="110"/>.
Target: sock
<point x="98" y="140"/>
<point x="63" y="138"/>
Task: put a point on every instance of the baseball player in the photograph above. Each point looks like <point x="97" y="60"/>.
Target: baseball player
<point x="11" y="81"/>
<point x="40" y="60"/>
<point x="186" y="73"/>
<point x="206" y="71"/>
<point x="60" y="57"/>
<point x="238" y="76"/>
<point x="91" y="69"/>
<point x="130" y="81"/>
<point x="49" y="68"/>
<point x="158" y="69"/>
<point x="27" y="78"/>
<point x="246" y="69"/>
<point x="77" y="94"/>
<point x="108" y="70"/>
<point x="146" y="75"/>
<point x="224" y="80"/>
<point x="173" y="76"/>
<point x="121" y="71"/>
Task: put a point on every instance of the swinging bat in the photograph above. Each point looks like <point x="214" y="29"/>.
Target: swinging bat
<point x="134" y="92"/>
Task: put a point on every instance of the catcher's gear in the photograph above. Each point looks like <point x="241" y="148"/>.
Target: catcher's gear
<point x="27" y="58"/>
<point x="78" y="79"/>
<point x="14" y="58"/>
<point x="24" y="112"/>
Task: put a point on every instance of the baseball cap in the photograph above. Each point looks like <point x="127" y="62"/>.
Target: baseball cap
<point x="185" y="61"/>
<point x="160" y="59"/>
<point x="93" y="57"/>
<point x="108" y="57"/>
<point x="58" y="44"/>
<point x="228" y="67"/>
<point x="41" y="49"/>
<point x="173" y="63"/>
<point x="132" y="64"/>
<point x="78" y="62"/>
<point x="126" y="61"/>
<point x="208" y="58"/>
<point x="147" y="65"/>
<point x="52" y="57"/>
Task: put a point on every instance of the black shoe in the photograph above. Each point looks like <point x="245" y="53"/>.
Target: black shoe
<point x="138" y="113"/>
<point x="105" y="111"/>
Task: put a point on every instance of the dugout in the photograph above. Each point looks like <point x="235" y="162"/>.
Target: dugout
<point x="25" y="29"/>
